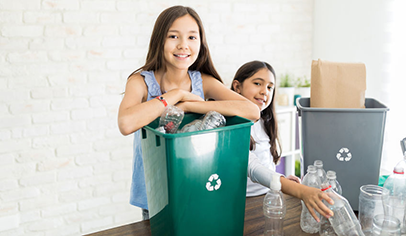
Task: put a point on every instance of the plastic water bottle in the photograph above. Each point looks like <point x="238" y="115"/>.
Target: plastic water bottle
<point x="307" y="223"/>
<point x="274" y="208"/>
<point x="395" y="204"/>
<point x="331" y="179"/>
<point x="344" y="221"/>
<point x="320" y="171"/>
<point x="192" y="126"/>
<point x="171" y="118"/>
<point x="212" y="120"/>
<point x="326" y="229"/>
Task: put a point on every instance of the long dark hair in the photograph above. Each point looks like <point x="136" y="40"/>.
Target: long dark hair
<point x="155" y="57"/>
<point x="268" y="114"/>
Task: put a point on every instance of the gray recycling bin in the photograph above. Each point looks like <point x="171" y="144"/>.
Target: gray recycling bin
<point x="348" y="141"/>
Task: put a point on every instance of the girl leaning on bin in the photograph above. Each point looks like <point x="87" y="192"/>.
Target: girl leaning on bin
<point x="178" y="71"/>
<point x="255" y="80"/>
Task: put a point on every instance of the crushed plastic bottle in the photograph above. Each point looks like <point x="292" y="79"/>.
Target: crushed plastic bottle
<point x="171" y="118"/>
<point x="307" y="223"/>
<point x="161" y="129"/>
<point x="395" y="204"/>
<point x="274" y="208"/>
<point x="192" y="126"/>
<point x="326" y="229"/>
<point x="212" y="120"/>
<point x="344" y="221"/>
<point x="320" y="171"/>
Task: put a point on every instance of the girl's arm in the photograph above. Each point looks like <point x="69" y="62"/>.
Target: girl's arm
<point x="135" y="112"/>
<point x="312" y="197"/>
<point x="227" y="102"/>
<point x="257" y="172"/>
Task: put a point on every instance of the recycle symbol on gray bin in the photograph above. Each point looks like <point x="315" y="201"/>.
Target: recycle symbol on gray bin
<point x="344" y="154"/>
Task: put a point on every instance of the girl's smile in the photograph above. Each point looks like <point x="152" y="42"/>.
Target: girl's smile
<point x="182" y="55"/>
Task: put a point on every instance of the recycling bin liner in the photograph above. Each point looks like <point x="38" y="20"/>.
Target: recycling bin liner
<point x="196" y="181"/>
<point x="348" y="141"/>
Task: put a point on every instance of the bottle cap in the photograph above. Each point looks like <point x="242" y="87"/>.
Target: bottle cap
<point x="398" y="170"/>
<point x="311" y="168"/>
<point x="331" y="174"/>
<point x="318" y="163"/>
<point x="276" y="182"/>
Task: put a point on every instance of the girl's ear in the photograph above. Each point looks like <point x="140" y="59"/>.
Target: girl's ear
<point x="236" y="86"/>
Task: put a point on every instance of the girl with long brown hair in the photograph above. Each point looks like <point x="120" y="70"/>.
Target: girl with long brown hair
<point x="256" y="80"/>
<point x="178" y="71"/>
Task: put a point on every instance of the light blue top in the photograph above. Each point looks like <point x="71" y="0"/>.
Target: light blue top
<point x="138" y="194"/>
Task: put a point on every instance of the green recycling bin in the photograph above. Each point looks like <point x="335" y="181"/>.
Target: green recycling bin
<point x="196" y="181"/>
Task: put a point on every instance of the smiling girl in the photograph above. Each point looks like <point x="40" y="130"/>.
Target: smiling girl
<point x="178" y="71"/>
<point x="255" y="80"/>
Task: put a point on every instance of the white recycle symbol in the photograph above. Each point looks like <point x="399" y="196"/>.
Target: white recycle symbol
<point x="213" y="177"/>
<point x="344" y="154"/>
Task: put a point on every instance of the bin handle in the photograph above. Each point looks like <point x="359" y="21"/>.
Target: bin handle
<point x="157" y="140"/>
<point x="299" y="111"/>
<point x="143" y="133"/>
<point x="298" y="107"/>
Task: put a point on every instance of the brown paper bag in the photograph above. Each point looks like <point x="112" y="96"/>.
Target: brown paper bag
<point x="337" y="85"/>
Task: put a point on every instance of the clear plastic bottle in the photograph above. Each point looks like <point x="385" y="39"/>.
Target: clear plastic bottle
<point x="307" y="223"/>
<point x="212" y="120"/>
<point x="274" y="208"/>
<point x="171" y="118"/>
<point x="331" y="178"/>
<point x="192" y="126"/>
<point x="395" y="204"/>
<point x="344" y="221"/>
<point x="320" y="171"/>
<point x="325" y="227"/>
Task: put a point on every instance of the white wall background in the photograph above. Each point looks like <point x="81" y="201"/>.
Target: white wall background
<point x="371" y="32"/>
<point x="64" y="167"/>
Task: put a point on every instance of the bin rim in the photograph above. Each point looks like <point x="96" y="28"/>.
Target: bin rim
<point x="301" y="108"/>
<point x="248" y="123"/>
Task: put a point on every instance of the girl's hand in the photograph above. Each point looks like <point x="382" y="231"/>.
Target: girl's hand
<point x="184" y="96"/>
<point x="312" y="197"/>
<point x="294" y="178"/>
<point x="182" y="105"/>
<point x="190" y="97"/>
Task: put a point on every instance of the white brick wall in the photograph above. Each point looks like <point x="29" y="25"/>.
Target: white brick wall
<point x="64" y="167"/>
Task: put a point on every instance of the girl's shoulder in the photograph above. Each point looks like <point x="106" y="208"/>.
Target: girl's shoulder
<point x="136" y="87"/>
<point x="135" y="77"/>
<point x="207" y="76"/>
<point x="141" y="76"/>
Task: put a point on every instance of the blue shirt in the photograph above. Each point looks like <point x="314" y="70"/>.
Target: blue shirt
<point x="138" y="194"/>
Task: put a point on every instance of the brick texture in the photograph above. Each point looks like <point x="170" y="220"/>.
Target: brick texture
<point x="65" y="168"/>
